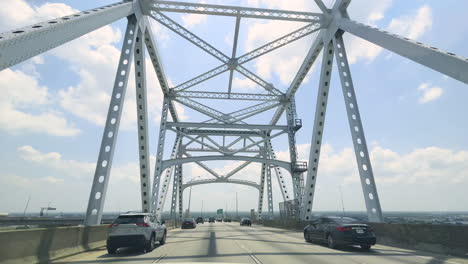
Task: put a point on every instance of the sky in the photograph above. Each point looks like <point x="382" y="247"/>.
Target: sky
<point x="53" y="107"/>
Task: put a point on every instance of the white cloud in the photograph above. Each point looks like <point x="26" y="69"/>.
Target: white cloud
<point x="412" y="26"/>
<point x="26" y="106"/>
<point x="244" y="84"/>
<point x="93" y="57"/>
<point x="191" y="20"/>
<point x="429" y="93"/>
<point x="430" y="165"/>
<point x="77" y="169"/>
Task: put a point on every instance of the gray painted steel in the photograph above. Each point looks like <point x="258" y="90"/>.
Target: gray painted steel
<point x="227" y="134"/>
<point x="111" y="129"/>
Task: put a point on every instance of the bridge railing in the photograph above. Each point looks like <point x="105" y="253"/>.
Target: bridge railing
<point x="442" y="239"/>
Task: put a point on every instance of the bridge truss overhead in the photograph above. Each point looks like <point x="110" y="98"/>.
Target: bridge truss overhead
<point x="225" y="135"/>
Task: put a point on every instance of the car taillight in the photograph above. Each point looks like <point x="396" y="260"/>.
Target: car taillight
<point x="113" y="225"/>
<point x="142" y="224"/>
<point x="344" y="228"/>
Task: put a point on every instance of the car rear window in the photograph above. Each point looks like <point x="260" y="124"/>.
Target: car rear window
<point x="129" y="219"/>
<point x="344" y="220"/>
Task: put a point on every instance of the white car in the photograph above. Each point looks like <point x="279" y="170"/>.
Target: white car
<point x="140" y="230"/>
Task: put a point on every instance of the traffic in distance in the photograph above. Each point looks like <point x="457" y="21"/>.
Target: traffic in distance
<point x="143" y="230"/>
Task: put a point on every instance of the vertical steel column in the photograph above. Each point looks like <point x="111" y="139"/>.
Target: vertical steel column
<point x="268" y="183"/>
<point x="279" y="174"/>
<point x="159" y="154"/>
<point x="167" y="178"/>
<point x="262" y="186"/>
<point x="319" y="122"/>
<point x="142" y="120"/>
<point x="106" y="152"/>
<point x="181" y="193"/>
<point x="369" y="188"/>
<point x="296" y="177"/>
<point x="175" y="184"/>
<point x="175" y="190"/>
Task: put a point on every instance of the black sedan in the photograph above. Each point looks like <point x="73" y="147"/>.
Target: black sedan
<point x="211" y="220"/>
<point x="246" y="222"/>
<point x="188" y="223"/>
<point x="338" y="231"/>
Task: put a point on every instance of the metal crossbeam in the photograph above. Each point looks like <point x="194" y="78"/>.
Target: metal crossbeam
<point x="235" y="11"/>
<point x="158" y="69"/>
<point x="202" y="77"/>
<point x="291" y="37"/>
<point x="227" y="126"/>
<point x="197" y="41"/>
<point x="23" y="43"/>
<point x="220" y="180"/>
<point x="231" y="96"/>
<point x="444" y="62"/>
<point x="254" y="150"/>
<point x="203" y="166"/>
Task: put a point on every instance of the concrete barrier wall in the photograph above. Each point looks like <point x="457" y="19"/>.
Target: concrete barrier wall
<point x="45" y="244"/>
<point x="443" y="239"/>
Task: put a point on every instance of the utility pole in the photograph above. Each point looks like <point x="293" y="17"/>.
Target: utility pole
<point x="202" y="208"/>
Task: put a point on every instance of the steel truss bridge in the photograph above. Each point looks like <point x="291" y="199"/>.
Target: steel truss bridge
<point x="241" y="140"/>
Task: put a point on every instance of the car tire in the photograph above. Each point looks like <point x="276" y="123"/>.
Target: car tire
<point x="111" y="250"/>
<point x="366" y="247"/>
<point x="330" y="241"/>
<point x="163" y="239"/>
<point x="150" y="244"/>
<point x="307" y="237"/>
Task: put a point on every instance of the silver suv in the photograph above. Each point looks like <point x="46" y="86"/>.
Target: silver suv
<point x="140" y="230"/>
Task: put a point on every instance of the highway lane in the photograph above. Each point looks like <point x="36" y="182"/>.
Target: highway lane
<point x="231" y="243"/>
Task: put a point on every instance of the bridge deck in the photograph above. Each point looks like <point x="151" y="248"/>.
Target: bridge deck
<point x="230" y="243"/>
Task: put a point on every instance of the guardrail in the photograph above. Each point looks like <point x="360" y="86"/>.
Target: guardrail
<point x="442" y="239"/>
<point x="42" y="245"/>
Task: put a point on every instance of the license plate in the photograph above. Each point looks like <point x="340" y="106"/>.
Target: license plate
<point x="360" y="231"/>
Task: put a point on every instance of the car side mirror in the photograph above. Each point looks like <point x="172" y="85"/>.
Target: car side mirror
<point x="163" y="222"/>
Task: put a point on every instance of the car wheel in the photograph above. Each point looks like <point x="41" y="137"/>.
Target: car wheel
<point x="163" y="239"/>
<point x="150" y="245"/>
<point x="307" y="237"/>
<point x="111" y="250"/>
<point x="366" y="247"/>
<point x="331" y="241"/>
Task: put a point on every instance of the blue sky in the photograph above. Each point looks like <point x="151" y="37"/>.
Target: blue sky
<point x="52" y="112"/>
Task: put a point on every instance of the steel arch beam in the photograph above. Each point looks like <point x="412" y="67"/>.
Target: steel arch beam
<point x="221" y="180"/>
<point x="235" y="11"/>
<point x="279" y="163"/>
<point x="21" y="44"/>
<point x="444" y="62"/>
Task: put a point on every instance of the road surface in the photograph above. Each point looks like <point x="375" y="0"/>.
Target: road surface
<point x="231" y="243"/>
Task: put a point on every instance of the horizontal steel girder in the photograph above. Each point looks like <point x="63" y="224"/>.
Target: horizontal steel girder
<point x="279" y="163"/>
<point x="444" y="62"/>
<point x="229" y="96"/>
<point x="230" y="126"/>
<point x="221" y="180"/>
<point x="235" y="11"/>
<point x="223" y="132"/>
<point x="255" y="150"/>
<point x="21" y="44"/>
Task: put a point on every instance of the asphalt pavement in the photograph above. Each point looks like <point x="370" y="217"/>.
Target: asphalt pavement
<point x="231" y="243"/>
